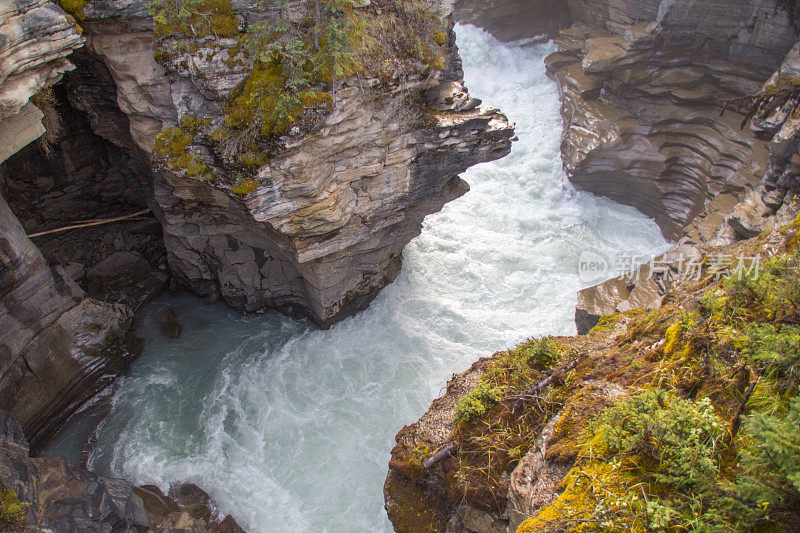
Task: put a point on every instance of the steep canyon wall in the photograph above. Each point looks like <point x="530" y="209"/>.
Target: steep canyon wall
<point x="313" y="224"/>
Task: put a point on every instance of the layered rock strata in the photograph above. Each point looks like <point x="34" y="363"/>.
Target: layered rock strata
<point x="514" y="20"/>
<point x="642" y="87"/>
<point x="767" y="201"/>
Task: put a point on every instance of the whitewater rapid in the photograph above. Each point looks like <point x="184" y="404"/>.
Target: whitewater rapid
<point x="289" y="427"/>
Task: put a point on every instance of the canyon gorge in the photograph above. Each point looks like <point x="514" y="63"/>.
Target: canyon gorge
<point x="270" y="247"/>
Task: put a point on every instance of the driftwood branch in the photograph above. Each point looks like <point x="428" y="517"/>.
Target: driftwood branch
<point x="445" y="450"/>
<point x="88" y="223"/>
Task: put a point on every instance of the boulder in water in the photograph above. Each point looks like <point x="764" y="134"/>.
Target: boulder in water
<point x="168" y="323"/>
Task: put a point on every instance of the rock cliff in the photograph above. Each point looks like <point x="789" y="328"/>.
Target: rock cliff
<point x="643" y="86"/>
<point x="242" y="190"/>
<point x="315" y="222"/>
<point x="52" y="494"/>
<point x="36" y="39"/>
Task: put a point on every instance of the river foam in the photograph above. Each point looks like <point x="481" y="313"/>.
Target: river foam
<point x="289" y="427"/>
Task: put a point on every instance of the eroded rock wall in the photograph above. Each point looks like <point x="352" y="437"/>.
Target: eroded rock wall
<point x="642" y="87"/>
<point x="643" y="124"/>
<point x="58" y="347"/>
<point x="513" y="20"/>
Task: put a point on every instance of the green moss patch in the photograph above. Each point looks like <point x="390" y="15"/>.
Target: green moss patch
<point x="73" y="7"/>
<point x="199" y="18"/>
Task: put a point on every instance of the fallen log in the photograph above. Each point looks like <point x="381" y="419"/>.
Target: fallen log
<point x="449" y="447"/>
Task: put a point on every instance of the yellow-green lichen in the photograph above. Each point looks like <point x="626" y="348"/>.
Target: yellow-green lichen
<point x="171" y="142"/>
<point x="191" y="124"/>
<point x="573" y="425"/>
<point x="171" y="146"/>
<point x="162" y="56"/>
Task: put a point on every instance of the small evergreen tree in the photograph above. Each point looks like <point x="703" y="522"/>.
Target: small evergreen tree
<point x="771" y="481"/>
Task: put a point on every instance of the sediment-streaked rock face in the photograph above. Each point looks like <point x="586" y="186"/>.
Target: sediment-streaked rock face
<point x="642" y="84"/>
<point x="58" y="347"/>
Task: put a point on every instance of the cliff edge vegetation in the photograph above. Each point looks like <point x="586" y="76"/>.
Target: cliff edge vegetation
<point x="683" y="418"/>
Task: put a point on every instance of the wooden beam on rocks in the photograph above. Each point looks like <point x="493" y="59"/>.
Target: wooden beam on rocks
<point x="89" y="223"/>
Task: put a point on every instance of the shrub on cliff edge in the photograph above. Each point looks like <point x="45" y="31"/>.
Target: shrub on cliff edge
<point x="12" y="511"/>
